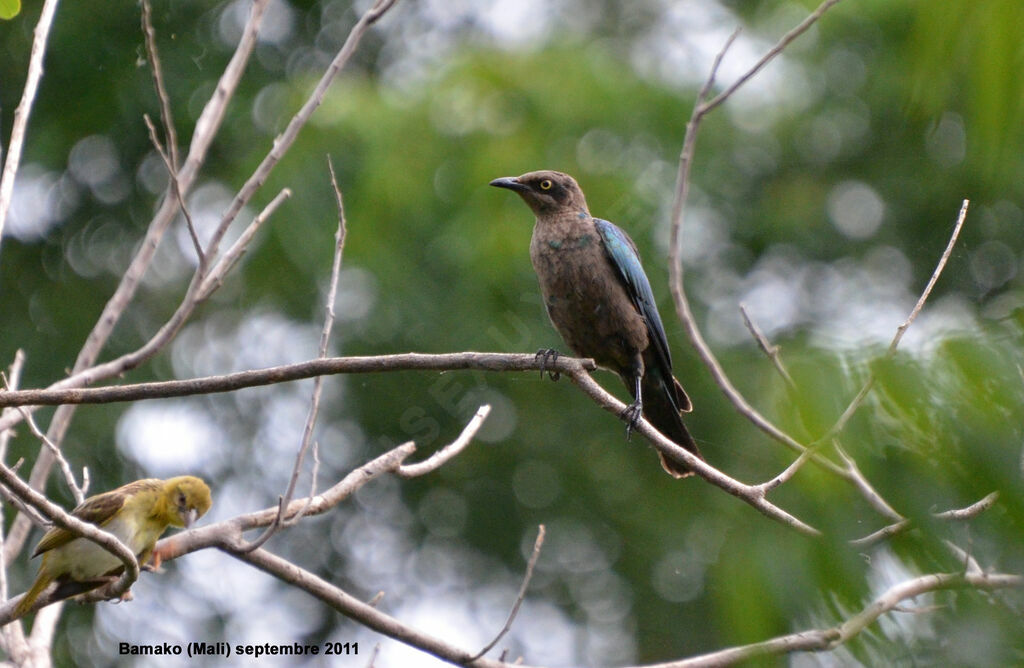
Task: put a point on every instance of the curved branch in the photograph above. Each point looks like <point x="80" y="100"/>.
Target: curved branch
<point x="904" y="524"/>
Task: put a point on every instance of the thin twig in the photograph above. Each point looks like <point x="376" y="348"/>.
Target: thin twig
<point x="970" y="511"/>
<point x="970" y="564"/>
<point x="373" y="656"/>
<point x="779" y="47"/>
<point x="170" y="157"/>
<point x="69" y="476"/>
<point x="24" y="109"/>
<point x="285" y="140"/>
<point x="439" y="458"/>
<point x="901" y="330"/>
<point x="537" y="545"/>
<point x="882" y="534"/>
<point x="215" y="277"/>
<point x="904" y="524"/>
<point x="766" y="346"/>
<point x="854" y="475"/>
<point x="11" y="382"/>
<point x="318" y="383"/>
<point x="172" y="175"/>
<point x="166" y="117"/>
<point x="788" y="472"/>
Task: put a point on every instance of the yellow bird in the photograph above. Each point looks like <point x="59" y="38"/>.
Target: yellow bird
<point x="137" y="513"/>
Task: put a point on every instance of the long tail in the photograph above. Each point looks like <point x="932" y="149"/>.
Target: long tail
<point x="25" y="604"/>
<point x="663" y="402"/>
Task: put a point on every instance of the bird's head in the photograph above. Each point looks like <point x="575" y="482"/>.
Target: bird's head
<point x="546" y="192"/>
<point x="187" y="499"/>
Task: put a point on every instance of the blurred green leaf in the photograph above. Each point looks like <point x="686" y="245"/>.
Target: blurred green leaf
<point x="9" y="8"/>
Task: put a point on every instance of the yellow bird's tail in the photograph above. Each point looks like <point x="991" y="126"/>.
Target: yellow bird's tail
<point x="25" y="604"/>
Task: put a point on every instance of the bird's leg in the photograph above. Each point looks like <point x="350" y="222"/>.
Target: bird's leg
<point x="635" y="410"/>
<point x="546" y="356"/>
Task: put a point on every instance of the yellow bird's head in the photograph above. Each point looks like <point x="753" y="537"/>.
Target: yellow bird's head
<point x="185" y="499"/>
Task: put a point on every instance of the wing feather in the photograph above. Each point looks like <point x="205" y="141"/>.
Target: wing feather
<point x="97" y="510"/>
<point x="626" y="259"/>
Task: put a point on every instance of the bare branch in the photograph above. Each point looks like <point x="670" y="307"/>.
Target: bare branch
<point x="10" y="382"/>
<point x="69" y="476"/>
<point x="172" y="175"/>
<point x="901" y="330"/>
<point x="682" y="304"/>
<point x="289" y="372"/>
<point x="13" y="635"/>
<point x="363" y="613"/>
<point x="970" y="511"/>
<point x="185" y="542"/>
<point x="753" y="495"/>
<point x="882" y="534"/>
<point x="788" y="38"/>
<point x="576" y="369"/>
<point x="161" y="90"/>
<point x="537" y="545"/>
<point x="439" y="458"/>
<point x="318" y="383"/>
<point x="215" y="278"/>
<point x="24" y="109"/>
<point x="971" y="564"/>
<point x="953" y="515"/>
<point x="788" y="472"/>
<point x="284" y="142"/>
<point x="854" y="476"/>
<point x="772" y="351"/>
<point x="815" y="640"/>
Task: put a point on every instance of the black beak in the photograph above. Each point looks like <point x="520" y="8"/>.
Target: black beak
<point x="510" y="182"/>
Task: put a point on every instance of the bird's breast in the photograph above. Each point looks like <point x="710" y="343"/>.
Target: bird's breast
<point x="585" y="298"/>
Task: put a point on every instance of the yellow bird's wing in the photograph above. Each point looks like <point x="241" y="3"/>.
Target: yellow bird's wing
<point x="97" y="510"/>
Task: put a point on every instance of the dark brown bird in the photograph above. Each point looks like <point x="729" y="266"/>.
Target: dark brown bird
<point x="600" y="301"/>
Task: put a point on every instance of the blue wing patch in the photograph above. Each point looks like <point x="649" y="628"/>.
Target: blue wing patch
<point x="624" y="256"/>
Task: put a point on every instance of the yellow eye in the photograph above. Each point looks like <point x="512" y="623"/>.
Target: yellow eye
<point x="545" y="184"/>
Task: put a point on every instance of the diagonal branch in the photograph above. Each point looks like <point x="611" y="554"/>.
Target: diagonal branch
<point x="24" y="109"/>
<point x="755" y="495"/>
<point x="902" y="329"/>
<point x="534" y="556"/>
<point x="439" y="458"/>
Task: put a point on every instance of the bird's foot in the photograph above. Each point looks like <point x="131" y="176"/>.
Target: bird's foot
<point x="125" y="597"/>
<point x="154" y="565"/>
<point x="632" y="416"/>
<point x="548" y="356"/>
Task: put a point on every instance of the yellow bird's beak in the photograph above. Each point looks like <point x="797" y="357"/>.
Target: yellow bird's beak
<point x="190" y="517"/>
